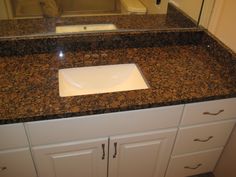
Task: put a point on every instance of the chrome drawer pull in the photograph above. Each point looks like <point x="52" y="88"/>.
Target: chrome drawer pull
<point x="3" y="168"/>
<point x="103" y="151"/>
<point x="214" y="114"/>
<point x="199" y="140"/>
<point x="193" y="168"/>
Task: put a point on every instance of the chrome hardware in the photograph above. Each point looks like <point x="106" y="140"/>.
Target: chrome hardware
<point x="103" y="151"/>
<point x="199" y="140"/>
<point x="115" y="145"/>
<point x="193" y="168"/>
<point x="214" y="114"/>
<point x="3" y="168"/>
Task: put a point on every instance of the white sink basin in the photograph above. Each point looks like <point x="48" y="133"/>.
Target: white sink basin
<point x="85" y="28"/>
<point x="100" y="79"/>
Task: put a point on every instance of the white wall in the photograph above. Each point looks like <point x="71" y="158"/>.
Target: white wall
<point x="223" y="22"/>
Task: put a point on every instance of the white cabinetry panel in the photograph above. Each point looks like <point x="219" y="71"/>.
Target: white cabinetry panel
<point x="140" y="155"/>
<point x="16" y="162"/>
<point x="83" y="158"/>
<point x="209" y="111"/>
<point x="192" y="164"/>
<point x="12" y="136"/>
<point x="103" y="125"/>
<point x="203" y="137"/>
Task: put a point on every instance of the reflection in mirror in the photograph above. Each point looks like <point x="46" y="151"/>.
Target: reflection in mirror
<point x="55" y="8"/>
<point x="206" y="13"/>
<point x="191" y="8"/>
<point x="37" y="17"/>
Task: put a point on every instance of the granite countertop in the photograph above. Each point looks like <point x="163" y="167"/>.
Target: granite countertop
<point x="180" y="67"/>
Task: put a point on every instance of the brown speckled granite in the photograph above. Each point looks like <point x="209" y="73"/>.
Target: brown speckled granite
<point x="178" y="70"/>
<point x="25" y="28"/>
<point x="73" y="42"/>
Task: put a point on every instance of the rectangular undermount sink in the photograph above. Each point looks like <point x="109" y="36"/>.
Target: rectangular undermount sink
<point x="85" y="28"/>
<point x="100" y="79"/>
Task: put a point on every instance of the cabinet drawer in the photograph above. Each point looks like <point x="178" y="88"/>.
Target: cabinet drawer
<point x="209" y="111"/>
<point x="12" y="136"/>
<point x="103" y="125"/>
<point x="17" y="162"/>
<point x="202" y="137"/>
<point x="192" y="164"/>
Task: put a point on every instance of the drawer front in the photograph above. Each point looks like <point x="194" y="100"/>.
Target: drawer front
<point x="16" y="163"/>
<point x="12" y="136"/>
<point x="103" y="125"/>
<point x="209" y="111"/>
<point x="203" y="137"/>
<point x="192" y="164"/>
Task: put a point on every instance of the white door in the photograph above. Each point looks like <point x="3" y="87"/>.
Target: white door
<point x="140" y="155"/>
<point x="16" y="162"/>
<point x="75" y="159"/>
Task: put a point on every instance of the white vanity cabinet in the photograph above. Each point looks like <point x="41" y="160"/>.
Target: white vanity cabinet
<point x="172" y="141"/>
<point x="132" y="143"/>
<point x="203" y="133"/>
<point x="15" y="156"/>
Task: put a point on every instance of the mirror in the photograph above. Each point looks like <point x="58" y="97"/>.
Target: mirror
<point x="53" y="17"/>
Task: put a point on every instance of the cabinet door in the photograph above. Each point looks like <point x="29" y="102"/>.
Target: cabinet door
<point x="16" y="162"/>
<point x="75" y="159"/>
<point x="140" y="155"/>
